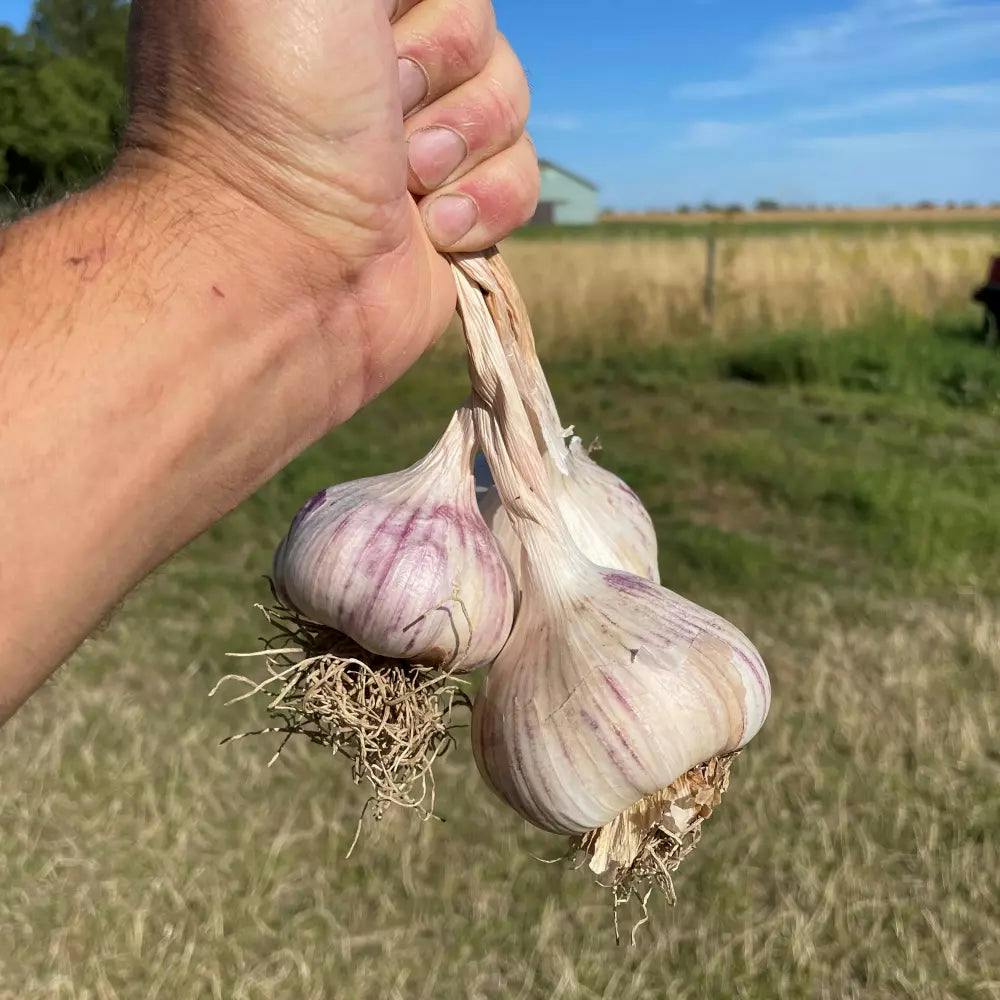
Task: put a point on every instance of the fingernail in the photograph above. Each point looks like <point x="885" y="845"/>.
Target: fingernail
<point x="435" y="154"/>
<point x="450" y="217"/>
<point x="413" y="84"/>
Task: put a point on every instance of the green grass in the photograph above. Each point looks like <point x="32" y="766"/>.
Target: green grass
<point x="836" y="495"/>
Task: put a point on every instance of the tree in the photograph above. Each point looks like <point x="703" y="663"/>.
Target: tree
<point x="60" y="114"/>
<point x="93" y="30"/>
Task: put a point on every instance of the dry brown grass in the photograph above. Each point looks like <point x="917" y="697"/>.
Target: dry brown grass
<point x="856" y="856"/>
<point x="649" y="290"/>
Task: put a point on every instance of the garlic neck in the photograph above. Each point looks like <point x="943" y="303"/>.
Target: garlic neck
<point x="513" y="326"/>
<point x="552" y="564"/>
<point x="448" y="467"/>
<point x="553" y="569"/>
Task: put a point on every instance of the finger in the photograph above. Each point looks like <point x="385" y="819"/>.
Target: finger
<point x="466" y="127"/>
<point x="442" y="44"/>
<point x="487" y="204"/>
<point x="397" y="8"/>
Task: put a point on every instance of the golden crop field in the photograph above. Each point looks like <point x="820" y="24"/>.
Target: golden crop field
<point x="646" y="290"/>
<point x="885" y="216"/>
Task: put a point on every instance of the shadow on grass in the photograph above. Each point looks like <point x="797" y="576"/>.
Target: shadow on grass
<point x="964" y="329"/>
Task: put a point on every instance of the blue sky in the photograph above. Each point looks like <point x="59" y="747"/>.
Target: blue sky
<point x="846" y="101"/>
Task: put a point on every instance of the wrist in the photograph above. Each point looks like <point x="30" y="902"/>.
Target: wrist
<point x="186" y="211"/>
<point x="259" y="285"/>
<point x="364" y="292"/>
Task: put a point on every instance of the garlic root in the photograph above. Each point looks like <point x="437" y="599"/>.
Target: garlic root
<point x="642" y="847"/>
<point x="391" y="718"/>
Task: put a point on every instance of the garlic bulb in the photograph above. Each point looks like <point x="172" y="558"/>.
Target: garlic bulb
<point x="403" y="564"/>
<point x="610" y="688"/>
<point x="603" y="513"/>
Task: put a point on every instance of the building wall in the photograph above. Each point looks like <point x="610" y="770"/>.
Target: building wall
<point x="574" y="204"/>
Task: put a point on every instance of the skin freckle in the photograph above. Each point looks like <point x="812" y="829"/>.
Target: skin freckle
<point x="90" y="264"/>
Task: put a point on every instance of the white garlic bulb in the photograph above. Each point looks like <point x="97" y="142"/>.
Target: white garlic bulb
<point x="610" y="687"/>
<point x="603" y="513"/>
<point x="403" y="563"/>
<point x="606" y="518"/>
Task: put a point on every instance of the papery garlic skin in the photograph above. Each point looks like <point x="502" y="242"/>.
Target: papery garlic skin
<point x="610" y="689"/>
<point x="403" y="563"/>
<point x="605" y="517"/>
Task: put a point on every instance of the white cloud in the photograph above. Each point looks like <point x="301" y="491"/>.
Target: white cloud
<point x="870" y="39"/>
<point x="618" y="123"/>
<point x="849" y="168"/>
<point x="716" y="134"/>
<point x="557" y="122"/>
<point x="879" y="144"/>
<point x="793" y="124"/>
<point x="970" y="95"/>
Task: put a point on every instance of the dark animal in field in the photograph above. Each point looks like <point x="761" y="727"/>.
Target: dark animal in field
<point x="989" y="296"/>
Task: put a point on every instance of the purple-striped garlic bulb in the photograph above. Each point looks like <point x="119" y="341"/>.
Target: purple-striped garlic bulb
<point x="611" y="688"/>
<point x="403" y="563"/>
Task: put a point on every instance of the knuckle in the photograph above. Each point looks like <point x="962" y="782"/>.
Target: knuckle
<point x="467" y="38"/>
<point x="506" y="112"/>
<point x="526" y="165"/>
<point x="514" y="92"/>
<point x="514" y="195"/>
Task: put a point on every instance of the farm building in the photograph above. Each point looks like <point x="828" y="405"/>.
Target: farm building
<point x="566" y="199"/>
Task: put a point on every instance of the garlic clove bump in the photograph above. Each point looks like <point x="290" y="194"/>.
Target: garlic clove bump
<point x="605" y="517"/>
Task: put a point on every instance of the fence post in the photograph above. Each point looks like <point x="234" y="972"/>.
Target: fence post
<point x="711" y="252"/>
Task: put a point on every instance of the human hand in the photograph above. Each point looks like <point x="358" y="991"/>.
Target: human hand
<point x="295" y="108"/>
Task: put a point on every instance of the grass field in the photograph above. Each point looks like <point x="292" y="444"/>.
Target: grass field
<point x="636" y="287"/>
<point x="853" y="223"/>
<point x="835" y="494"/>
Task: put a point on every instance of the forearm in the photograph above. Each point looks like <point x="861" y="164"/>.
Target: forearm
<point x="149" y="381"/>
